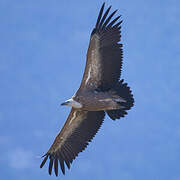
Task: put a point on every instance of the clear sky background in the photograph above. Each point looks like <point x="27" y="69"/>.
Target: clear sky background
<point x="43" y="47"/>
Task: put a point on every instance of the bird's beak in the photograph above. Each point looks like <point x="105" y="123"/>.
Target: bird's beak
<point x="65" y="103"/>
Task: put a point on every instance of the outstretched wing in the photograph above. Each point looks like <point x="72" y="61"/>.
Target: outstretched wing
<point x="78" y="131"/>
<point x="104" y="56"/>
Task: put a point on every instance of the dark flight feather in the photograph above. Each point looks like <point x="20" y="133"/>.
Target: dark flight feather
<point x="104" y="17"/>
<point x="56" y="166"/>
<point x="112" y="22"/>
<point x="62" y="164"/>
<point x="108" y="19"/>
<point x="50" y="164"/>
<point x="44" y="161"/>
<point x="100" y="14"/>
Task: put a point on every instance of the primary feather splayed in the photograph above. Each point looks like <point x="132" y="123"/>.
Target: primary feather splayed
<point x="101" y="91"/>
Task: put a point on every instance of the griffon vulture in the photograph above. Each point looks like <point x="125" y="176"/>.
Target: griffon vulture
<point x="101" y="92"/>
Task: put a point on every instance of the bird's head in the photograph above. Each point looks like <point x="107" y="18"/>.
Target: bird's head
<point x="72" y="103"/>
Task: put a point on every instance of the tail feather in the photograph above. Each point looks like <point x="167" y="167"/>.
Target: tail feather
<point x="123" y="90"/>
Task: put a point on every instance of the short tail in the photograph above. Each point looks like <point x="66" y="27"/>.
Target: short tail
<point x="123" y="91"/>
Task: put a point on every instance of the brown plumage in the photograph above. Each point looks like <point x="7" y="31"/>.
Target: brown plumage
<point x="100" y="91"/>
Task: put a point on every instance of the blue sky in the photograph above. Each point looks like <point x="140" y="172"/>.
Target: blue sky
<point x="42" y="57"/>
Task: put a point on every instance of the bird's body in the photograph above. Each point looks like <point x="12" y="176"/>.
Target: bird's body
<point x="92" y="100"/>
<point x="100" y="92"/>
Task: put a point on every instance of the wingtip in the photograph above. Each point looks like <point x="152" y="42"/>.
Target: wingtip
<point x="110" y="7"/>
<point x="62" y="166"/>
<point x="56" y="167"/>
<point x="50" y="165"/>
<point x="44" y="155"/>
<point x="115" y="11"/>
<point x="44" y="160"/>
<point x="100" y="14"/>
<point x="102" y="7"/>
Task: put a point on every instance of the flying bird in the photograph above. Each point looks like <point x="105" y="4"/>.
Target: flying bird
<point x="101" y="92"/>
